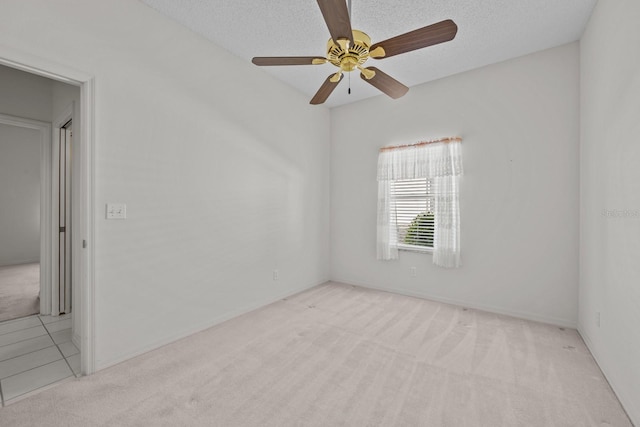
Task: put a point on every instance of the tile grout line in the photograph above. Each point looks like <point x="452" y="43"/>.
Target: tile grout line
<point x="18" y="319"/>
<point x="35" y="367"/>
<point x="24" y="354"/>
<point x="22" y="329"/>
<point x="58" y="347"/>
<point x="26" y="339"/>
<point x="53" y="321"/>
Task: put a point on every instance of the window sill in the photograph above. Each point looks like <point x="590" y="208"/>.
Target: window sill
<point x="419" y="249"/>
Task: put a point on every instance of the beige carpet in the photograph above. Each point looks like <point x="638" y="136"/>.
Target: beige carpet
<point x="19" y="290"/>
<point x="343" y="356"/>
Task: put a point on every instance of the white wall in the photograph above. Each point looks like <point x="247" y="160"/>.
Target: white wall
<point x="24" y="95"/>
<point x="19" y="195"/>
<point x="223" y="170"/>
<point x="519" y="195"/>
<point x="610" y="184"/>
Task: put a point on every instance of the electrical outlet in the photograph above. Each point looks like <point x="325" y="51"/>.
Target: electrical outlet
<point x="413" y="272"/>
<point x="276" y="275"/>
<point x="598" y="319"/>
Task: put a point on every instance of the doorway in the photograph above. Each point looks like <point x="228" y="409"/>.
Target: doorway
<point x="36" y="189"/>
<point x="77" y="290"/>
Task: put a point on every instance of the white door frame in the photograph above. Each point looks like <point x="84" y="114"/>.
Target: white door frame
<point x="84" y="205"/>
<point x="45" y="202"/>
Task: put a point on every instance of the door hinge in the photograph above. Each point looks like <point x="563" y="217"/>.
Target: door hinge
<point x="63" y="229"/>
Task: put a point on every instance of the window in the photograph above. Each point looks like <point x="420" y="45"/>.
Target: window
<point x="414" y="213"/>
<point x="418" y="200"/>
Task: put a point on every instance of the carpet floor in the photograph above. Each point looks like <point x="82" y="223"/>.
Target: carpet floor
<point x="19" y="291"/>
<point x="339" y="355"/>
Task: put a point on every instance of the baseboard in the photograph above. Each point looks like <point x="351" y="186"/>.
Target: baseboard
<point x="22" y="262"/>
<point x="633" y="411"/>
<point x="497" y="310"/>
<point x="206" y="325"/>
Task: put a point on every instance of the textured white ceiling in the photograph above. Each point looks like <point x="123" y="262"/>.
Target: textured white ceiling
<point x="489" y="31"/>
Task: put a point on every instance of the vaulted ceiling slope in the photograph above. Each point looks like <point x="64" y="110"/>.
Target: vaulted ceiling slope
<point x="489" y="31"/>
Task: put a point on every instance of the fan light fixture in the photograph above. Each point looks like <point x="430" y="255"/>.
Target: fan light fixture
<point x="349" y="49"/>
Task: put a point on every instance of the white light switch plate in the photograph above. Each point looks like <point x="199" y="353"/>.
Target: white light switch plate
<point x="116" y="211"/>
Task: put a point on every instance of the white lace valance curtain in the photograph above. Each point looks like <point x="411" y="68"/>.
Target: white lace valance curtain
<point x="442" y="162"/>
<point x="420" y="161"/>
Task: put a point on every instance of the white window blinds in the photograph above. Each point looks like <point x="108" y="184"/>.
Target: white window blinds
<point x="414" y="212"/>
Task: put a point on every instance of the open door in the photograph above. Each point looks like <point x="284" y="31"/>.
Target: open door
<point x="62" y="278"/>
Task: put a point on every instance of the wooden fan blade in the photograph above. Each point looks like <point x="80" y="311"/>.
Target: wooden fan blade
<point x="417" y="39"/>
<point x="325" y="90"/>
<point x="385" y="83"/>
<point x="288" y="60"/>
<point x="336" y="15"/>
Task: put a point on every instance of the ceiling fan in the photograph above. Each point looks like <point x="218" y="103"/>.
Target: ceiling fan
<point x="349" y="49"/>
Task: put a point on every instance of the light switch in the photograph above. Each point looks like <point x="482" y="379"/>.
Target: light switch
<point x="116" y="211"/>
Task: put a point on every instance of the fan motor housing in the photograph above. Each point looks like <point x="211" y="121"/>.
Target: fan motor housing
<point x="348" y="57"/>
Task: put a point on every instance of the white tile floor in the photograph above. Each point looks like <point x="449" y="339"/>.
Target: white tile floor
<point x="35" y="352"/>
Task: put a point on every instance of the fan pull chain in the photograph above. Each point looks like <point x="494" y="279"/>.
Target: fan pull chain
<point x="349" y="90"/>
